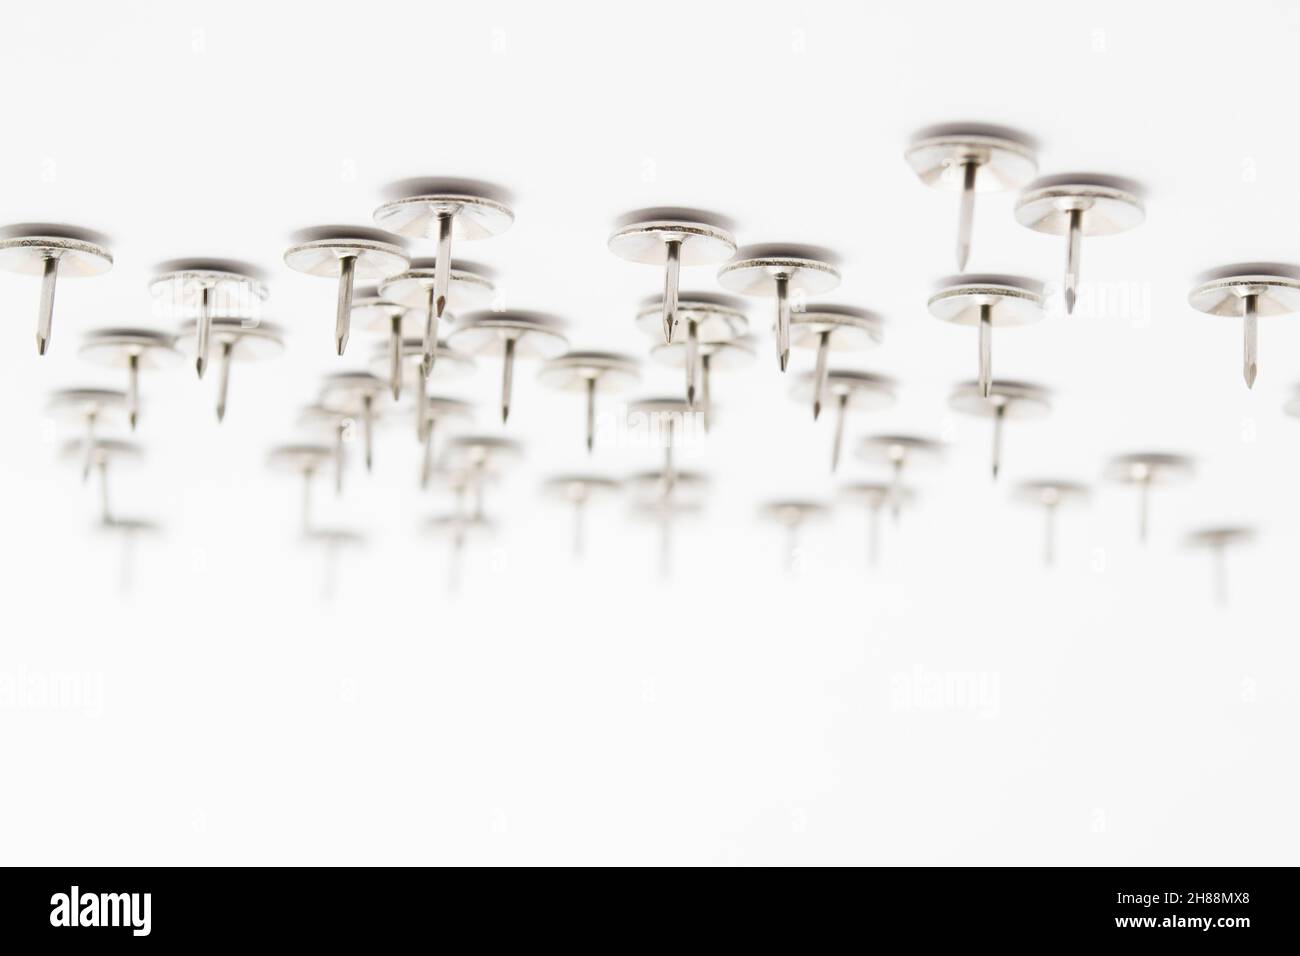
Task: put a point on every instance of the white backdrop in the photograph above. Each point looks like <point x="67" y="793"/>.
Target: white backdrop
<point x="959" y="705"/>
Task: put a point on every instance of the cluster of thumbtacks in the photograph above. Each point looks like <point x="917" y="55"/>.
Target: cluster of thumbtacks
<point x="219" y="303"/>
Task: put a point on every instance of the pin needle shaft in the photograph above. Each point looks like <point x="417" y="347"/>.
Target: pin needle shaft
<point x="105" y="513"/>
<point x="45" y="318"/>
<point x="132" y="389"/>
<point x="591" y="414"/>
<point x="986" y="349"/>
<point x="368" y="423"/>
<point x="340" y="433"/>
<point x="579" y="526"/>
<point x="203" y="330"/>
<point x="706" y="394"/>
<point x="421" y="411"/>
<point x="306" y="500"/>
<point x="692" y="360"/>
<point x="223" y="380"/>
<point x="670" y="476"/>
<point x="873" y="535"/>
<point x="791" y="545"/>
<point x="841" y="412"/>
<point x="1220" y="576"/>
<point x="1049" y="534"/>
<point x="343" y="318"/>
<point x="999" y="417"/>
<point x="426" y="461"/>
<point x="783" y="320"/>
<point x="819" y="376"/>
<point x="1144" y="507"/>
<point x="1072" y="253"/>
<point x="967" y="213"/>
<point x="441" y="281"/>
<point x="1250" y="307"/>
<point x="507" y="378"/>
<point x="896" y="488"/>
<point x="395" y="357"/>
<point x="672" y="272"/>
<point x="88" y="457"/>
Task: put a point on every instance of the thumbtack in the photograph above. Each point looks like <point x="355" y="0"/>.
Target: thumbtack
<point x="1145" y="469"/>
<point x="466" y="285"/>
<point x="457" y="528"/>
<point x="1217" y="541"/>
<point x="356" y="394"/>
<point x="577" y="491"/>
<point x="332" y="542"/>
<point x="792" y="515"/>
<point x="100" y="454"/>
<point x="242" y="340"/>
<point x="477" y="458"/>
<point x="900" y="452"/>
<point x="875" y="495"/>
<point x="132" y="349"/>
<point x="371" y="312"/>
<point x="859" y="391"/>
<point x="449" y="365"/>
<point x="1248" y="290"/>
<point x="828" y="328"/>
<point x="666" y="418"/>
<point x="1006" y="401"/>
<point x="434" y="409"/>
<point x="50" y="250"/>
<point x="89" y="408"/>
<point x="711" y="357"/>
<point x="129" y="530"/>
<point x="202" y="289"/>
<point x="984" y="301"/>
<point x="665" y="512"/>
<point x="590" y="372"/>
<point x="1050" y="495"/>
<point x="305" y="460"/>
<point x="516" y="335"/>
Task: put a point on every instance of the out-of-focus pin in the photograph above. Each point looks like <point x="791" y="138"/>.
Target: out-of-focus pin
<point x="832" y="328"/>
<point x="235" y="340"/>
<point x="305" y="460"/>
<point x="449" y="365"/>
<point x="1248" y="290"/>
<point x="356" y="394"/>
<point x="875" y="495"/>
<point x="1075" y="205"/>
<point x="467" y="285"/>
<point x="371" y="312"/>
<point x="202" y="290"/>
<point x="792" y="515"/>
<point x="50" y="251"/>
<point x="577" y="491"/>
<point x="90" y="409"/>
<point x="1050" y="494"/>
<point x="479" y="458"/>
<point x="900" y="453"/>
<point x="971" y="158"/>
<point x="1006" y="401"/>
<point x="346" y="254"/>
<point x="781" y="272"/>
<point x="332" y="543"/>
<point x="515" y="335"/>
<point x="436" y="409"/>
<point x="589" y="373"/>
<point x="1217" y="540"/>
<point x="665" y="513"/>
<point x="847" y="390"/>
<point x="101" y="453"/>
<point x="668" y="422"/>
<point x="985" y="301"/>
<point x="1146" y="469"/>
<point x="672" y="238"/>
<point x="712" y="357"/>
<point x="458" y="528"/>
<point x="134" y="350"/>
<point x="129" y="531"/>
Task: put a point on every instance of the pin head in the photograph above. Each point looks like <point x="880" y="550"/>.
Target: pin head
<point x="1013" y="400"/>
<point x="1050" y="492"/>
<point x="792" y="512"/>
<point x="535" y="334"/>
<point x="128" y="527"/>
<point x="1222" y="536"/>
<point x="685" y="488"/>
<point x="371" y="312"/>
<point x="578" y="488"/>
<point x="717" y="318"/>
<point x="235" y="289"/>
<point x="320" y="251"/>
<point x="300" y="457"/>
<point x="1275" y="286"/>
<point x="25" y="247"/>
<point x="117" y="347"/>
<point x="699" y="243"/>
<point x="1109" y="204"/>
<point x="1004" y="157"/>
<point x="876" y="494"/>
<point x="1150" y="467"/>
<point x="806" y="270"/>
<point x="847" y="328"/>
<point x="249" y="340"/>
<point x="480" y="451"/>
<point x="732" y="354"/>
<point x="477" y="210"/>
<point x="912" y="449"/>
<point x="350" y="390"/>
<point x="573" y="370"/>
<point x="469" y="285"/>
<point x="77" y="404"/>
<point x="859" y="390"/>
<point x="1012" y="300"/>
<point x="102" y="451"/>
<point x="449" y="364"/>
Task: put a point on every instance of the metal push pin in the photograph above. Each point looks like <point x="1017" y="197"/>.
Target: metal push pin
<point x="1248" y="290"/>
<point x="792" y="515"/>
<point x="332" y="542"/>
<point x="1050" y="495"/>
<point x="371" y="312"/>
<point x="91" y="409"/>
<point x="667" y="420"/>
<point x="478" y="458"/>
<point x="129" y="531"/>
<point x="345" y="253"/>
<point x="971" y="158"/>
<point x="859" y="391"/>
<point x="243" y="340"/>
<point x="589" y="372"/>
<point x="305" y="460"/>
<point x="665" y="513"/>
<point x="439" y="209"/>
<point x="828" y="328"/>
<point x="202" y="290"/>
<point x="435" y="409"/>
<point x="710" y="319"/>
<point x="875" y="495"/>
<point x="466" y="285"/>
<point x="458" y="528"/>
<point x="1006" y="401"/>
<point x="900" y="452"/>
<point x="985" y="301"/>
<point x="1217" y="541"/>
<point x="1145" y="469"/>
<point x="356" y="394"/>
<point x="132" y="349"/>
<point x="577" y="491"/>
<point x="49" y="250"/>
<point x="672" y="238"/>
<point x="516" y="335"/>
<point x="1075" y="205"/>
<point x="450" y="365"/>
<point x="101" y="453"/>
<point x="337" y="422"/>
<point x="665" y="498"/>
<point x="781" y="271"/>
<point x="711" y="356"/>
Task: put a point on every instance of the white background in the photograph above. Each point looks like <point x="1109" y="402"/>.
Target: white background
<point x="224" y="712"/>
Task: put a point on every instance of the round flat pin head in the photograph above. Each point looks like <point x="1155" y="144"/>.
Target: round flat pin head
<point x="1222" y="291"/>
<point x="860" y="390"/>
<point x="234" y="288"/>
<point x="479" y="450"/>
<point x="128" y="526"/>
<point x="717" y="318"/>
<point x="103" y="450"/>
<point x="536" y="334"/>
<point x="727" y="355"/>
<point x="573" y="370"/>
<point x="807" y="270"/>
<point x="1015" y="400"/>
<point x="78" y="257"/>
<point x="447" y="362"/>
<point x="1004" y="157"/>
<point x="116" y="347"/>
<point x="1050" y="492"/>
<point x="469" y="285"/>
<point x="444" y="406"/>
<point x="699" y="243"/>
<point x="78" y="403"/>
<point x="1221" y="537"/>
<point x="449" y="525"/>
<point x="371" y="312"/>
<point x="1108" y="204"/>
<point x="375" y="255"/>
<point x="1013" y="300"/>
<point x="847" y="328"/>
<point x="660" y="406"/>
<point x="791" y="512"/>
<point x="351" y="387"/>
<point x="249" y="339"/>
<point x="1152" y="467"/>
<point x="892" y="448"/>
<point x="334" y="537"/>
<point x="299" y="457"/>
<point x="478" y="210"/>
<point x="689" y="487"/>
<point x="876" y="494"/>
<point x="577" y="488"/>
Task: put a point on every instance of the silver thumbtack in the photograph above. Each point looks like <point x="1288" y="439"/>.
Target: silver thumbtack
<point x="90" y="409"/>
<point x="971" y="158"/>
<point x="1248" y="290"/>
<point x="515" y="335"/>
<point x="711" y="357"/>
<point x="710" y="319"/>
<point x="672" y="238"/>
<point x="205" y="289"/>
<point x="875" y="495"/>
<point x="337" y="422"/>
<point x="345" y="253"/>
<point x="439" y="209"/>
<point x="984" y="301"/>
<point x="663" y="498"/>
<point x="332" y="542"/>
<point x="665" y="513"/>
<point x="51" y="251"/>
<point x="356" y="394"/>
<point x="304" y="460"/>
<point x="792" y="515"/>
<point x="1217" y="541"/>
<point x="828" y="328"/>
<point x="478" y="458"/>
<point x="859" y="391"/>
<point x="1145" y="469"/>
<point x="134" y="350"/>
<point x="667" y="421"/>
<point x="465" y="285"/>
<point x="130" y="530"/>
<point x="1005" y="401"/>
<point x="429" y="413"/>
<point x="449" y="365"/>
<point x="1050" y="495"/>
<point x="590" y="372"/>
<point x="577" y="491"/>
<point x="241" y="340"/>
<point x="900" y="452"/>
<point x="1075" y="205"/>
<point x="781" y="272"/>
<point x="101" y="453"/>
<point x="371" y="312"/>
<point x="458" y="528"/>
